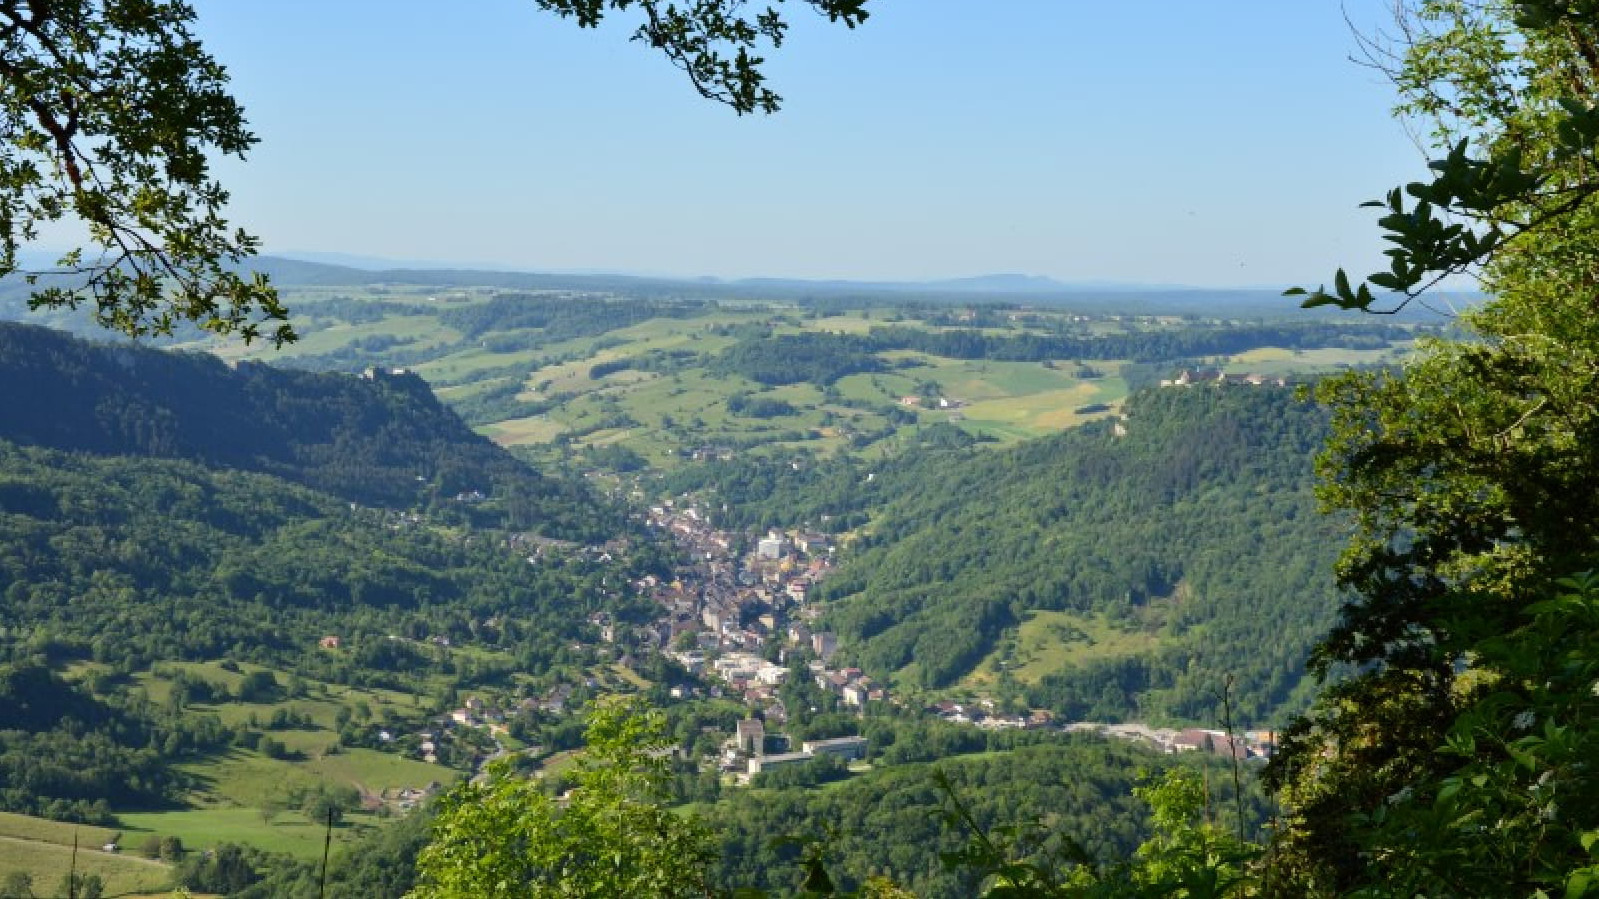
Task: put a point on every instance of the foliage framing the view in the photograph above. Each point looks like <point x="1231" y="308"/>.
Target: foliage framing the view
<point x="1448" y="762"/>
<point x="1507" y="91"/>
<point x="611" y="836"/>
<point x="110" y="112"/>
<point x="696" y="38"/>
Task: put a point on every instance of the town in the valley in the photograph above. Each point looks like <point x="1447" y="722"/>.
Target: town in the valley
<point x="741" y="618"/>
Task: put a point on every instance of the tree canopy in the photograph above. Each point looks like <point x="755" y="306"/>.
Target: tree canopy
<point x="611" y="836"/>
<point x="1504" y="90"/>
<point x="111" y="111"/>
<point x="1447" y="761"/>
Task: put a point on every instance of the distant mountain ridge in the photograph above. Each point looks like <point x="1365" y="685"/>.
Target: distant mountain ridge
<point x="382" y="439"/>
<point x="1088" y="296"/>
<point x="1093" y="295"/>
<point x="291" y="272"/>
<point x="1001" y="282"/>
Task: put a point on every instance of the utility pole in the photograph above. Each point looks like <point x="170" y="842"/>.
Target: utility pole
<point x="327" y="845"/>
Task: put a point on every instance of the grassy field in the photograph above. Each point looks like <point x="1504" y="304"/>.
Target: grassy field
<point x="1048" y="640"/>
<point x="42" y="830"/>
<point x="321" y="701"/>
<point x="231" y="789"/>
<point x="43" y="850"/>
<point x="1277" y="361"/>
<point x="248" y="779"/>
<point x="628" y="676"/>
<point x="288" y="832"/>
<point x="520" y="431"/>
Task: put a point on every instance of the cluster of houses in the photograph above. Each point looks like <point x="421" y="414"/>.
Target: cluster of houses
<point x="1248" y="745"/>
<point x="407" y="798"/>
<point x="744" y="620"/>
<point x="850" y="685"/>
<point x="707" y="452"/>
<point x="476" y="712"/>
<point x="741" y="615"/>
<point x="1219" y="378"/>
<point x="745" y="674"/>
<point x="982" y="714"/>
<point x="943" y="402"/>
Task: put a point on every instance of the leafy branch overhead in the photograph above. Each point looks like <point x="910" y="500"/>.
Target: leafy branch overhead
<point x="110" y="111"/>
<point x="714" y="42"/>
<point x="1537" y="160"/>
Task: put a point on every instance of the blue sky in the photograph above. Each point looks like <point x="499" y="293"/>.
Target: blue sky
<point x="1215" y="144"/>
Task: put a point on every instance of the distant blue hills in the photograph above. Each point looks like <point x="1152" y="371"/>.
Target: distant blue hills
<point x="337" y="270"/>
<point x="1007" y="283"/>
<point x="1022" y="289"/>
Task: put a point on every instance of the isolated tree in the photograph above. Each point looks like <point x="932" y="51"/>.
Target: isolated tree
<point x="110" y="111"/>
<point x="322" y="807"/>
<point x="1450" y="757"/>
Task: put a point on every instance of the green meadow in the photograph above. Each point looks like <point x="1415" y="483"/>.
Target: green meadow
<point x="1047" y="641"/>
<point x="44" y="850"/>
<point x="242" y="795"/>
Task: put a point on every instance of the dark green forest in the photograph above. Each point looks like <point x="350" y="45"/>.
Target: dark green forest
<point x="383" y="440"/>
<point x="132" y="562"/>
<point x="1194" y="520"/>
<point x="182" y="511"/>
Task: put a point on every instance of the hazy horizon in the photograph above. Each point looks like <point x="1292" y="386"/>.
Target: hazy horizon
<point x="1164" y="144"/>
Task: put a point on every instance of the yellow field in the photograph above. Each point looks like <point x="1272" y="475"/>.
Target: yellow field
<point x="1040" y="412"/>
<point x="538" y="429"/>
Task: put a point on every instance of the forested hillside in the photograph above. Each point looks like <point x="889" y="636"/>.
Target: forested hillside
<point x="164" y="508"/>
<point x="134" y="562"/>
<point x="380" y="440"/>
<point x="1166" y="552"/>
<point x="894" y="823"/>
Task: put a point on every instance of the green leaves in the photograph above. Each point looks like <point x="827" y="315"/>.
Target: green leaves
<point x="1525" y="102"/>
<point x="1438" y="228"/>
<point x="712" y="41"/>
<point x="115" y="109"/>
<point x="612" y="836"/>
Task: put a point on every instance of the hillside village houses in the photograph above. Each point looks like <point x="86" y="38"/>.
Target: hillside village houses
<point x="745" y="626"/>
<point x="742" y="614"/>
<point x="744" y="622"/>
<point x="735" y="619"/>
<point x="1196" y="377"/>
